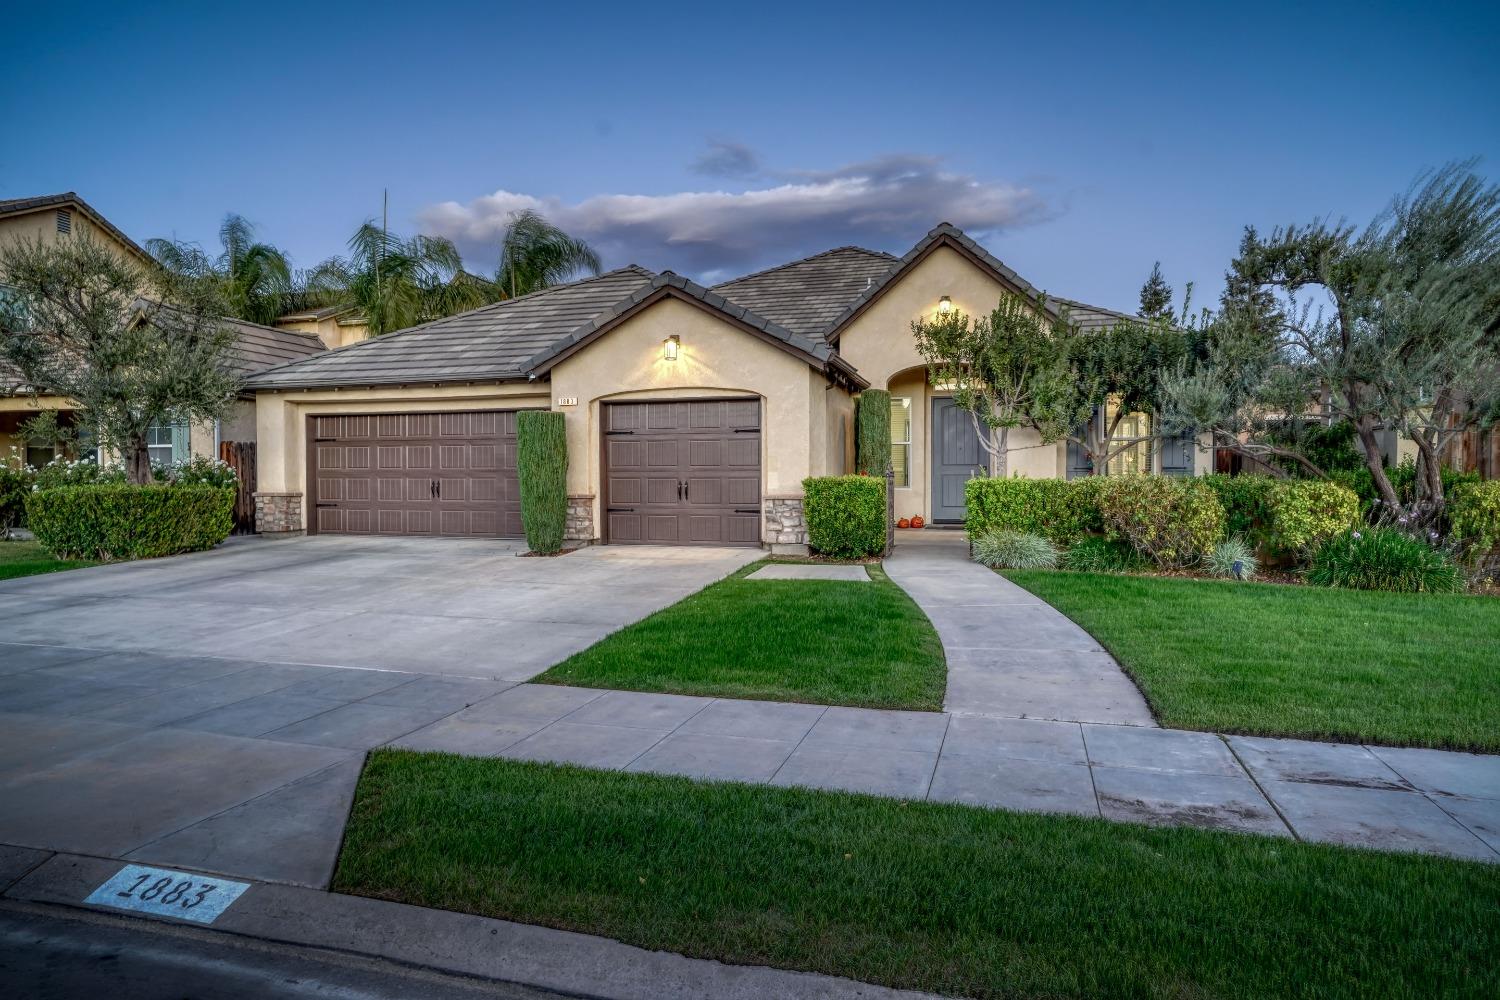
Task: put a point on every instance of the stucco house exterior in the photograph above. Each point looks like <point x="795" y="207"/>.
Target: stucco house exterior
<point x="67" y="216"/>
<point x="693" y="414"/>
<point x="335" y="326"/>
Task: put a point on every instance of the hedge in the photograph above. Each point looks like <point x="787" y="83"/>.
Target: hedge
<point x="542" y="467"/>
<point x="1061" y="510"/>
<point x="845" y="515"/>
<point x="1247" y="504"/>
<point x="1173" y="521"/>
<point x="872" y="424"/>
<point x="119" y="521"/>
<point x="1474" y="516"/>
<point x="1305" y="513"/>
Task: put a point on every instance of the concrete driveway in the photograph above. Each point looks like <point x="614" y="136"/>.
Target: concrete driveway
<point x="212" y="711"/>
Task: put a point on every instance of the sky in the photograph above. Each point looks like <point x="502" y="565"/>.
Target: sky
<point x="1079" y="142"/>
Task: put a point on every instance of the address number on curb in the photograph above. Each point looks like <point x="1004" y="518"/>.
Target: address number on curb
<point x="167" y="893"/>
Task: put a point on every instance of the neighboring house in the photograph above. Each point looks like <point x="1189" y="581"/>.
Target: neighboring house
<point x="67" y="216"/>
<point x="692" y="414"/>
<point x="335" y="326"/>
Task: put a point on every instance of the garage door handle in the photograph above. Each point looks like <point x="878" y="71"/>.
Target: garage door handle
<point x="747" y="430"/>
<point x="434" y="489"/>
<point x="747" y="510"/>
<point x="686" y="490"/>
<point x="619" y="510"/>
<point x="326" y="505"/>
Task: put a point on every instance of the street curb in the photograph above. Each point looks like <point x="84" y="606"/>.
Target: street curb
<point x="457" y="943"/>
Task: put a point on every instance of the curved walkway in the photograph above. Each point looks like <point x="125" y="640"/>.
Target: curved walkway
<point x="1009" y="654"/>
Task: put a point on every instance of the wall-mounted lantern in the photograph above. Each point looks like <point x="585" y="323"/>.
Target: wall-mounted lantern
<point x="670" y="347"/>
<point x="945" y="305"/>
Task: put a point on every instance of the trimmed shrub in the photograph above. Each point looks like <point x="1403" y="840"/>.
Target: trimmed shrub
<point x="1173" y="521"/>
<point x="542" y="468"/>
<point x="1474" y="522"/>
<point x="1102" y="555"/>
<point x="1383" y="559"/>
<point x="872" y="427"/>
<point x="845" y="515"/>
<point x="1246" y="500"/>
<point x="1233" y="559"/>
<point x="1306" y="513"/>
<point x="16" y="481"/>
<point x="1058" y="509"/>
<point x="120" y="521"/>
<point x="1014" y="550"/>
<point x="198" y="471"/>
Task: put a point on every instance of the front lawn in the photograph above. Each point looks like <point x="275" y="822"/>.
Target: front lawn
<point x="29" y="559"/>
<point x="1344" y="665"/>
<point x="922" y="895"/>
<point x="822" y="641"/>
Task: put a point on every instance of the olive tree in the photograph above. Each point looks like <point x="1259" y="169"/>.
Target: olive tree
<point x="130" y="346"/>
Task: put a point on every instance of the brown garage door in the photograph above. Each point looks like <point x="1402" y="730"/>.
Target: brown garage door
<point x="683" y="473"/>
<point x="415" y="474"/>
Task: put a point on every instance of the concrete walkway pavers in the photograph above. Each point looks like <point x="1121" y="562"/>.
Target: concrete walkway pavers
<point x="810" y="571"/>
<point x="1009" y="654"/>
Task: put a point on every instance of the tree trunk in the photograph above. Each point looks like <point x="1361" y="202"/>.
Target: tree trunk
<point x="1429" y="485"/>
<point x="1366" y="432"/>
<point x="138" y="462"/>
<point x="1002" y="451"/>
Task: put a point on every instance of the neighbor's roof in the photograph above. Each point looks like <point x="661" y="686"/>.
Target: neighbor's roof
<point x="491" y="343"/>
<point x="22" y="206"/>
<point x="1091" y="317"/>
<point x="312" y="314"/>
<point x="806" y="295"/>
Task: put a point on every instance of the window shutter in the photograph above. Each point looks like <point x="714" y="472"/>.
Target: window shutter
<point x="180" y="449"/>
<point x="1177" y="455"/>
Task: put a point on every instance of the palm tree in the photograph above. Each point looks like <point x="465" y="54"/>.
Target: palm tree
<point x="255" y="279"/>
<point x="397" y="282"/>
<point x="535" y="254"/>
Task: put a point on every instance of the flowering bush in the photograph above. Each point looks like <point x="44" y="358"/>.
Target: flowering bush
<point x="199" y="471"/>
<point x="79" y="472"/>
<point x="1306" y="513"/>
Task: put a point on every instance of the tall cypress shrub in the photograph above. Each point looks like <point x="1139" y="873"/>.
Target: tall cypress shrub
<point x="542" y="466"/>
<point x="872" y="426"/>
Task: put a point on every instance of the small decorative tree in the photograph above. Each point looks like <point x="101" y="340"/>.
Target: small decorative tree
<point x="542" y="467"/>
<point x="80" y="322"/>
<point x="1156" y="295"/>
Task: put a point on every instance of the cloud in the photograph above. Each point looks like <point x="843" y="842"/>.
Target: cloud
<point x="885" y="203"/>
<point x="724" y="158"/>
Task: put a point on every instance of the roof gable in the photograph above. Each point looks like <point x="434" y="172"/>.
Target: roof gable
<point x="806" y="295"/>
<point x="25" y="206"/>
<point x="944" y="235"/>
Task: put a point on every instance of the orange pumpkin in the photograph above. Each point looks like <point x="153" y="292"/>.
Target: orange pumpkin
<point x="903" y="523"/>
<point x="917" y="521"/>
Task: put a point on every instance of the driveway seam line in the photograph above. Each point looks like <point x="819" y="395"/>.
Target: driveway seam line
<point x="938" y="757"/>
<point x="1088" y="762"/>
<point x="1260" y="788"/>
<point x="798" y="745"/>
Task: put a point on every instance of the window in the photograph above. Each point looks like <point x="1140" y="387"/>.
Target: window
<point x="64" y="221"/>
<point x="901" y="439"/>
<point x="166" y="443"/>
<point x="39" y="455"/>
<point x="1137" y="457"/>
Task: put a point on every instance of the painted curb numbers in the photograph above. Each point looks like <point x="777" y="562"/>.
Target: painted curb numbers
<point x="166" y="893"/>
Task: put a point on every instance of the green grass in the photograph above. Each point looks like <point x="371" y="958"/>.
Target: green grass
<point x="921" y="895"/>
<point x="28" y="559"/>
<point x="830" y="642"/>
<point x="1343" y="665"/>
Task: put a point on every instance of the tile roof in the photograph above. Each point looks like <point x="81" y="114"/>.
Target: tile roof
<point x="806" y="295"/>
<point x="493" y="342"/>
<point x="1091" y="317"/>
<point x="944" y="232"/>
<point x="20" y="206"/>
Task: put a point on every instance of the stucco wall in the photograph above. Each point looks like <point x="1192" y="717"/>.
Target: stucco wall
<point x="715" y="359"/>
<point x="43" y="224"/>
<point x="329" y="330"/>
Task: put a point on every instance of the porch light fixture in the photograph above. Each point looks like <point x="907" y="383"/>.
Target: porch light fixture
<point x="945" y="304"/>
<point x="670" y="347"/>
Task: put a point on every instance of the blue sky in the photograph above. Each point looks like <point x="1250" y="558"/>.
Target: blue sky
<point x="1079" y="142"/>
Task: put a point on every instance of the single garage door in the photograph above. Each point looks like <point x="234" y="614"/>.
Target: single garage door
<point x="415" y="474"/>
<point x="683" y="472"/>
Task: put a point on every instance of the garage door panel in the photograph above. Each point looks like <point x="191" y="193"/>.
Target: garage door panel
<point x="654" y="448"/>
<point x="429" y="474"/>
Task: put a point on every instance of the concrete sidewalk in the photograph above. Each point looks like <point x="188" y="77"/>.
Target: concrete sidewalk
<point x="1009" y="654"/>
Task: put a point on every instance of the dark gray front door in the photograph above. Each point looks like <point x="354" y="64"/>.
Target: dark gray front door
<point x="956" y="458"/>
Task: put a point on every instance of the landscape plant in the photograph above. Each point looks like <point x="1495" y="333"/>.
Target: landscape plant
<point x="1097" y="554"/>
<point x="872" y="425"/>
<point x="1306" y="513"/>
<point x="1232" y="559"/>
<point x="1170" y="520"/>
<point x="397" y="281"/>
<point x="1474" y="513"/>
<point x="109" y="521"/>
<point x="254" y="279"/>
<point x="81" y="322"/>
<point x="1247" y="504"/>
<point x="1014" y="550"/>
<point x="846" y="515"/>
<point x="1061" y="510"/>
<point x="542" y="468"/>
<point x="1383" y="559"/>
<point x="16" y="480"/>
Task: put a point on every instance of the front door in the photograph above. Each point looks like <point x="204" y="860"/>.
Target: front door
<point x="956" y="458"/>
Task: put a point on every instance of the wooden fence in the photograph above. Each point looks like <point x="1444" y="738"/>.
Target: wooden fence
<point x="241" y="457"/>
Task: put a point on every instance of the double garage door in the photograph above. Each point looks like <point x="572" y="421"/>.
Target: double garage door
<point x="415" y="474"/>
<point x="675" y="473"/>
<point x="682" y="472"/>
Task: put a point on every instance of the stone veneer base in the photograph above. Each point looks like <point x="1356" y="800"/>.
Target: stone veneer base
<point x="278" y="513"/>
<point x="784" y="524"/>
<point x="580" y="522"/>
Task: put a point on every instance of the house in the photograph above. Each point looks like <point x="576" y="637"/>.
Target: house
<point x="692" y="414"/>
<point x="335" y="326"/>
<point x="67" y="216"/>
